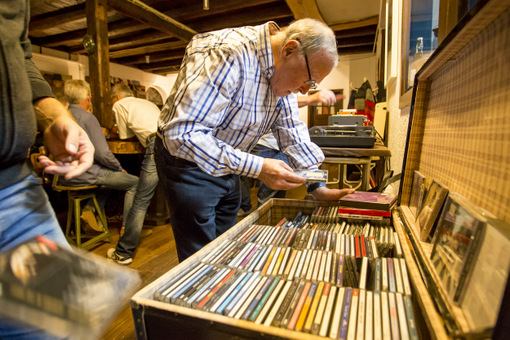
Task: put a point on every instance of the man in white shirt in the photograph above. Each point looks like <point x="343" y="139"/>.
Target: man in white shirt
<point x="135" y="117"/>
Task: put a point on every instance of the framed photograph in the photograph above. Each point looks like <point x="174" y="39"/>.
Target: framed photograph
<point x="416" y="192"/>
<point x="430" y="210"/>
<point x="456" y="243"/>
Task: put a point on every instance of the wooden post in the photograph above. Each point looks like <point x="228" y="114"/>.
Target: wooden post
<point x="99" y="62"/>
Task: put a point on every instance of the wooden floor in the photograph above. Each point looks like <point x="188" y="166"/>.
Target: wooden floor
<point x="156" y="254"/>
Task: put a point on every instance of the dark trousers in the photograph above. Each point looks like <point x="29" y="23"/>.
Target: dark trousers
<point x="201" y="206"/>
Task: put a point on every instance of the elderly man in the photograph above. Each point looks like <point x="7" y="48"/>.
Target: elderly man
<point x="234" y="86"/>
<point x="106" y="171"/>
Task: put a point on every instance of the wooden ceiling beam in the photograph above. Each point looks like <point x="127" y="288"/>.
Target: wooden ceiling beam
<point x="304" y="9"/>
<point x="153" y="57"/>
<point x="357" y="41"/>
<point x="357" y="32"/>
<point x="74" y="37"/>
<point x="356" y="50"/>
<point x="57" y="18"/>
<point x="141" y="12"/>
<point x="194" y="11"/>
<point x="147" y="49"/>
<point x="355" y="24"/>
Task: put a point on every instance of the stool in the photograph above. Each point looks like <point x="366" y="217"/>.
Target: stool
<point x="75" y="195"/>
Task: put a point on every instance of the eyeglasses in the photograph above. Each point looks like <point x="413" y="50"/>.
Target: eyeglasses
<point x="310" y="82"/>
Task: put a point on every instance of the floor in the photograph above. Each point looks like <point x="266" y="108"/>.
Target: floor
<point x="155" y="255"/>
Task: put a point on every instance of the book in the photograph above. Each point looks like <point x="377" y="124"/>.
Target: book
<point x="364" y="212"/>
<point x="369" y="200"/>
<point x="485" y="285"/>
<point x="429" y="213"/>
<point x="460" y="232"/>
<point x="416" y="190"/>
<point x="67" y="292"/>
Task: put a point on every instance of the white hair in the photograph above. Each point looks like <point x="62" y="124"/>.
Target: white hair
<point x="314" y="36"/>
<point x="76" y="90"/>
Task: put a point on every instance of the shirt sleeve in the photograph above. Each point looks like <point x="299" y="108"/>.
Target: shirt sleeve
<point x="200" y="107"/>
<point x="40" y="87"/>
<point x="293" y="137"/>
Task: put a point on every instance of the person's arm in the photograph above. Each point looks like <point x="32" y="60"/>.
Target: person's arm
<point x="294" y="140"/>
<point x="200" y="107"/>
<point x="324" y="96"/>
<point x="66" y="141"/>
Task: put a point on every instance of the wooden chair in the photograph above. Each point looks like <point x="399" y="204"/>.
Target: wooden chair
<point x="75" y="196"/>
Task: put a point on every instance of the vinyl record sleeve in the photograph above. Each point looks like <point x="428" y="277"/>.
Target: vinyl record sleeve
<point x="68" y="293"/>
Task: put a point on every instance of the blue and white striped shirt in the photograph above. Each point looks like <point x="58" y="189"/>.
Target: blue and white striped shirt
<point x="222" y="103"/>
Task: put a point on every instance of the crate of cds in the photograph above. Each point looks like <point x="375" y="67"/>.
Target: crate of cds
<point x="454" y="202"/>
<point x="292" y="269"/>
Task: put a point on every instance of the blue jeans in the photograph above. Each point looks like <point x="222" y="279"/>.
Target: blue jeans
<point x="25" y="212"/>
<point x="146" y="188"/>
<point x="202" y="207"/>
<point x="118" y="180"/>
<point x="265" y="193"/>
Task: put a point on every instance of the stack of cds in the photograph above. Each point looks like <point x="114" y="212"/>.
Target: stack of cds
<point x="331" y="277"/>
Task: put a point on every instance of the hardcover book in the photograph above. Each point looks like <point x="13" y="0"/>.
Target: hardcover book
<point x="416" y="193"/>
<point x="69" y="293"/>
<point x="369" y="200"/>
<point x="429" y="213"/>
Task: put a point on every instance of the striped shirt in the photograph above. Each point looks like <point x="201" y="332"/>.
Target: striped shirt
<point x="222" y="103"/>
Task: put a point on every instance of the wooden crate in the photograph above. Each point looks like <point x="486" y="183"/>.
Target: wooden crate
<point x="157" y="320"/>
<point x="459" y="134"/>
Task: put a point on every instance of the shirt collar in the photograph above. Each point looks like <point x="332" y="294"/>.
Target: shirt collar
<point x="264" y="50"/>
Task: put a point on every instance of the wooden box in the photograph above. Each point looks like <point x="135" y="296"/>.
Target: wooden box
<point x="158" y="320"/>
<point x="459" y="135"/>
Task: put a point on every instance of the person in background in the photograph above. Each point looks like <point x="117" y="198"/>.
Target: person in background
<point x="135" y="117"/>
<point x="267" y="147"/>
<point x="27" y="102"/>
<point x="234" y="86"/>
<point x="106" y="171"/>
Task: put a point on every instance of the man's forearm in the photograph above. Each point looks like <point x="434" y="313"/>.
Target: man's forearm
<point x="47" y="110"/>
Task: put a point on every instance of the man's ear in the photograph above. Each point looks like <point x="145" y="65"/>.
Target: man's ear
<point x="292" y="46"/>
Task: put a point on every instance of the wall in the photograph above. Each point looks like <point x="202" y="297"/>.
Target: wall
<point x="398" y="117"/>
<point x="59" y="62"/>
<point x="350" y="69"/>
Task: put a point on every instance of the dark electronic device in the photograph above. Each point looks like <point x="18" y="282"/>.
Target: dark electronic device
<point x="343" y="136"/>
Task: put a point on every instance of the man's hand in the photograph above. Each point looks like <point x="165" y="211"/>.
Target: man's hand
<point x="324" y="97"/>
<point x="326" y="194"/>
<point x="278" y="175"/>
<point x="72" y="151"/>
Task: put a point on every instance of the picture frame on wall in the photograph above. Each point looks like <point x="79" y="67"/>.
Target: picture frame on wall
<point x="429" y="212"/>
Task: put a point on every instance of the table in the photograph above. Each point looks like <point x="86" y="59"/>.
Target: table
<point x="362" y="157"/>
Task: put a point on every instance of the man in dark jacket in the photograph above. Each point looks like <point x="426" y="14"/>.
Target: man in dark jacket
<point x="25" y="211"/>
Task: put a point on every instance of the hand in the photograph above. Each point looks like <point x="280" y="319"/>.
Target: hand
<point x="326" y="97"/>
<point x="278" y="175"/>
<point x="326" y="194"/>
<point x="72" y="151"/>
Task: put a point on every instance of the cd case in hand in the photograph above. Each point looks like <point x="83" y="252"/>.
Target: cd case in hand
<point x="69" y="293"/>
<point x="313" y="175"/>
